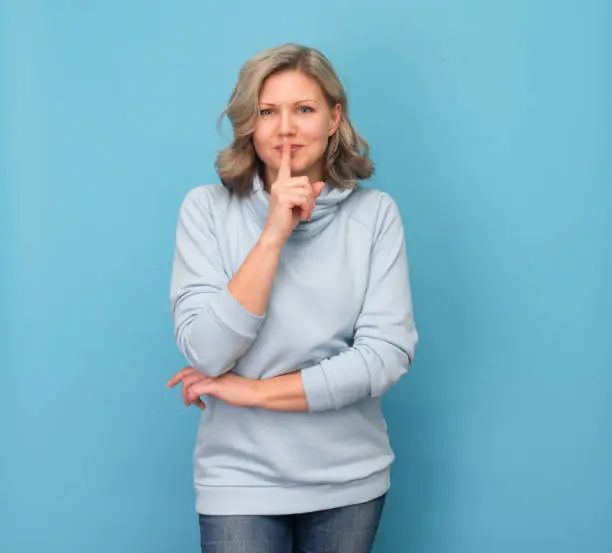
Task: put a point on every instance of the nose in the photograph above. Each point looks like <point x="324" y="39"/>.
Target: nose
<point x="286" y="123"/>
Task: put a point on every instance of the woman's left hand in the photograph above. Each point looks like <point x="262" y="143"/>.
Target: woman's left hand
<point x="229" y="387"/>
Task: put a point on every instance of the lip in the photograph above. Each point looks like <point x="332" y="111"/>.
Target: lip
<point x="294" y="148"/>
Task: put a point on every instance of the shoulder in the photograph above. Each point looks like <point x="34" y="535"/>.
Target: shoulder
<point x="206" y="196"/>
<point x="372" y="208"/>
<point x="205" y="200"/>
<point x="203" y="207"/>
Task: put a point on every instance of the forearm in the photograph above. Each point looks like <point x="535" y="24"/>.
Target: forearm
<point x="349" y="377"/>
<point x="282" y="393"/>
<point x="366" y="370"/>
<point x="216" y="321"/>
<point x="214" y="328"/>
<point x="252" y="282"/>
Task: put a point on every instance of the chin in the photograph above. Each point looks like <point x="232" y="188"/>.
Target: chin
<point x="303" y="167"/>
<point x="300" y="169"/>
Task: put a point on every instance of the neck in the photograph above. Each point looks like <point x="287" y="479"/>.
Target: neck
<point x="323" y="213"/>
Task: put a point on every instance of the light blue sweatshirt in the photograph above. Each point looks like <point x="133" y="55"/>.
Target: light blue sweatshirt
<point x="340" y="310"/>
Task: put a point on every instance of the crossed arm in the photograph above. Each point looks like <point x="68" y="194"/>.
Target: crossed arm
<point x="209" y="311"/>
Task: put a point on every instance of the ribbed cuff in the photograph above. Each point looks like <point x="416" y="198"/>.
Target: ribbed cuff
<point x="316" y="388"/>
<point x="336" y="382"/>
<point x="234" y="315"/>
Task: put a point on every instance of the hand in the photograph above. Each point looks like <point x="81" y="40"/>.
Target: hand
<point x="229" y="387"/>
<point x="292" y="200"/>
<point x="189" y="377"/>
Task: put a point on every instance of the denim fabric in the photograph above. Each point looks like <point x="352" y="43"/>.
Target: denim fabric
<point x="348" y="529"/>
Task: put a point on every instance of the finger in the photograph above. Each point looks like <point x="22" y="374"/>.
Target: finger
<point x="196" y="390"/>
<point x="317" y="188"/>
<point x="296" y="197"/>
<point x="188" y="382"/>
<point x="196" y="380"/>
<point x="184" y="395"/>
<point x="302" y="186"/>
<point x="284" y="171"/>
<point x="197" y="401"/>
<point x="299" y="200"/>
<point x="195" y="377"/>
<point x="309" y="206"/>
<point x="179" y="376"/>
<point x="299" y="182"/>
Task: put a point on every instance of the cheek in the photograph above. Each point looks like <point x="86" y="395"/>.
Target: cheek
<point x="261" y="140"/>
<point x="317" y="132"/>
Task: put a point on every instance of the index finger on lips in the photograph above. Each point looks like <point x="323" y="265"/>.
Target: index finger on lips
<point x="284" y="171"/>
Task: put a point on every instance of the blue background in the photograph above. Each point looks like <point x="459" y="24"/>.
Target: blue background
<point x="487" y="121"/>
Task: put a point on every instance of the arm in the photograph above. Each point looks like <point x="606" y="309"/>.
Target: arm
<point x="216" y="321"/>
<point x="384" y="341"/>
<point x="252" y="282"/>
<point x="281" y="393"/>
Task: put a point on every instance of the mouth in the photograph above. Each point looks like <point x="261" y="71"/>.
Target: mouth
<point x="294" y="148"/>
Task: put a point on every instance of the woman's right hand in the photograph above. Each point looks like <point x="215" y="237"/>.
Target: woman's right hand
<point x="292" y="200"/>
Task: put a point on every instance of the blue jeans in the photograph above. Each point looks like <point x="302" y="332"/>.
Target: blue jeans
<point x="343" y="530"/>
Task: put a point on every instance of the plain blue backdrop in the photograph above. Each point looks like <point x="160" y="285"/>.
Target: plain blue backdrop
<point x="487" y="124"/>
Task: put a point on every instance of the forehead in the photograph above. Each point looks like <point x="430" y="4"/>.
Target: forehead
<point x="289" y="86"/>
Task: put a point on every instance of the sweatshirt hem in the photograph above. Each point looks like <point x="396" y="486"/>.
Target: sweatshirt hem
<point x="285" y="500"/>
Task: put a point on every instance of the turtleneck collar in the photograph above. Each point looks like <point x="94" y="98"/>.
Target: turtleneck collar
<point x="326" y="206"/>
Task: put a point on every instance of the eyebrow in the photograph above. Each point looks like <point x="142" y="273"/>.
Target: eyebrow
<point x="294" y="103"/>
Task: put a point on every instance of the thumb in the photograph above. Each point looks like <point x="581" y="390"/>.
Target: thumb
<point x="317" y="188"/>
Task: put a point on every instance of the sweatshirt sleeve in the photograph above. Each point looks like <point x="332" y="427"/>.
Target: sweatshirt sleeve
<point x="385" y="335"/>
<point x="212" y="329"/>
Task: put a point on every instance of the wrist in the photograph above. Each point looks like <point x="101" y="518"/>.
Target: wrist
<point x="280" y="393"/>
<point x="270" y="244"/>
<point x="260" y="396"/>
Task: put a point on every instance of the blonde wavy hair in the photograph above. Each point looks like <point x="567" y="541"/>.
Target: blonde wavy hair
<point x="347" y="154"/>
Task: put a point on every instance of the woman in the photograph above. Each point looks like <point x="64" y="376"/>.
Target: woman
<point x="291" y="302"/>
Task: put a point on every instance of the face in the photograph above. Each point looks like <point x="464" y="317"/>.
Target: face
<point x="292" y="107"/>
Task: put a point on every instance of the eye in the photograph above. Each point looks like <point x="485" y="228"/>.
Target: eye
<point x="306" y="109"/>
<point x="264" y="112"/>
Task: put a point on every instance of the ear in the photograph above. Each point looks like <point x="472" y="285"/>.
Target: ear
<point x="336" y="116"/>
